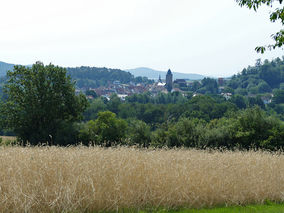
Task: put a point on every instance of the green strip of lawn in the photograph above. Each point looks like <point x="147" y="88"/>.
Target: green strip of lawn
<point x="268" y="208"/>
<point x="272" y="208"/>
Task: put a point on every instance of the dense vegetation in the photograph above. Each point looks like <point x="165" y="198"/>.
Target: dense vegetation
<point x="265" y="80"/>
<point x="261" y="78"/>
<point x="204" y="120"/>
<point x="41" y="108"/>
<point x="93" y="77"/>
<point x="40" y="103"/>
<point x="88" y="77"/>
<point x="200" y="121"/>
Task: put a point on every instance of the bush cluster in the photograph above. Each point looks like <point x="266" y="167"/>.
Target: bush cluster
<point x="246" y="129"/>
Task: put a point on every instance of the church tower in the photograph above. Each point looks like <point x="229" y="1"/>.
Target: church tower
<point x="169" y="81"/>
<point x="160" y="80"/>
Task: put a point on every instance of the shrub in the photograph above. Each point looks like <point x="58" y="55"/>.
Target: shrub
<point x="105" y="130"/>
<point x="139" y="133"/>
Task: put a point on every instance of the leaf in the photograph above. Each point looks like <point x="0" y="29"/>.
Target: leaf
<point x="260" y="49"/>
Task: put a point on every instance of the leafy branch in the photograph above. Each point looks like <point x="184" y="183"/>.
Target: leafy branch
<point x="277" y="14"/>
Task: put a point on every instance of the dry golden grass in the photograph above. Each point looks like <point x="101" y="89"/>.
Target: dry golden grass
<point x="8" y="138"/>
<point x="51" y="179"/>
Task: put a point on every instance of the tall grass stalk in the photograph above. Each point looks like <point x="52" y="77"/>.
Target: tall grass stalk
<point x="83" y="179"/>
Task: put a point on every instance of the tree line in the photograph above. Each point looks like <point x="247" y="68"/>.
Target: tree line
<point x="264" y="77"/>
<point x="94" y="77"/>
<point x="41" y="107"/>
<point x="173" y="120"/>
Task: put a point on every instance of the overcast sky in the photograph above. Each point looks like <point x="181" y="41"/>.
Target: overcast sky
<point x="214" y="38"/>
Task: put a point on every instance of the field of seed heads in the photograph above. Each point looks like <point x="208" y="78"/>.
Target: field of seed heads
<point x="87" y="179"/>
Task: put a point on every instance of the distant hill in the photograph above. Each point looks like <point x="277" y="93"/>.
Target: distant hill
<point x="89" y="76"/>
<point x="102" y="75"/>
<point x="4" y="67"/>
<point x="154" y="74"/>
<point x="93" y="77"/>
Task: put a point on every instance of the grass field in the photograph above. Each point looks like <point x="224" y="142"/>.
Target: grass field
<point x="88" y="179"/>
<point x="7" y="140"/>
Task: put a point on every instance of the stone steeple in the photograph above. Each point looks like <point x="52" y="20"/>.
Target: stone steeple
<point x="169" y="80"/>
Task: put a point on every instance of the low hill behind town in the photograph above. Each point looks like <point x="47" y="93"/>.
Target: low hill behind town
<point x="4" y="67"/>
<point x="154" y="74"/>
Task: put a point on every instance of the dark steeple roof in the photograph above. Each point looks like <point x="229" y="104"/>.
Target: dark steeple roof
<point x="169" y="72"/>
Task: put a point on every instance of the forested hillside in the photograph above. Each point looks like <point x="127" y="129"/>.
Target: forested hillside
<point x="87" y="77"/>
<point x="94" y="77"/>
<point x="261" y="78"/>
<point x="200" y="117"/>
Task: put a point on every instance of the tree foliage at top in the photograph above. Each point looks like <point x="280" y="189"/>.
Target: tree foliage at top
<point x="277" y="14"/>
<point x="40" y="100"/>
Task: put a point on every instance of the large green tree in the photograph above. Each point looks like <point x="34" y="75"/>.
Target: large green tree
<point x="41" y="100"/>
<point x="276" y="15"/>
<point x="106" y="130"/>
